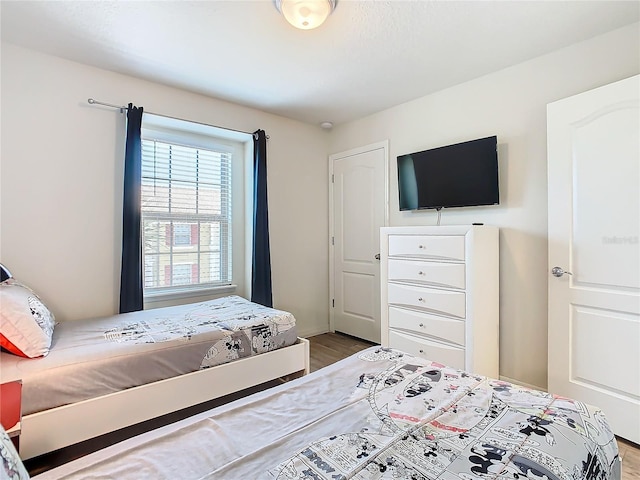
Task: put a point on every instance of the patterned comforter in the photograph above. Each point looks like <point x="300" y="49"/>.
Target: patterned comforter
<point x="379" y="414"/>
<point x="427" y="421"/>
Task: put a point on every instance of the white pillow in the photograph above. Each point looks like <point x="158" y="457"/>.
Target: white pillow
<point x="26" y="324"/>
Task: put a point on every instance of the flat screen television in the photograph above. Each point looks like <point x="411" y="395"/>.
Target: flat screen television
<point x="460" y="175"/>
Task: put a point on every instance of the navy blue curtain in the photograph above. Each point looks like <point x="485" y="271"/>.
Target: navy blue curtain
<point x="261" y="258"/>
<point x="131" y="271"/>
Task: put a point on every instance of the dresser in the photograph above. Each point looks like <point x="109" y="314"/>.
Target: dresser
<point x="439" y="294"/>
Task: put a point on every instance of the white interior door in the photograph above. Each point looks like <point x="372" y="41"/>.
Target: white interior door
<point x="594" y="219"/>
<point x="359" y="208"/>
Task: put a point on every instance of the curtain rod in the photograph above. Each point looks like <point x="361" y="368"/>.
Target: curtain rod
<point x="122" y="109"/>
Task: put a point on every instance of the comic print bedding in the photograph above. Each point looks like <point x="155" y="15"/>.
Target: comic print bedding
<point x="94" y="357"/>
<point x="379" y="414"/>
<point x="428" y="421"/>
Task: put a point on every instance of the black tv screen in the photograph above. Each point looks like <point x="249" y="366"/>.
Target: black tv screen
<point x="460" y="175"/>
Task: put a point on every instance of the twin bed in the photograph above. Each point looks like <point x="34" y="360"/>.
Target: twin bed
<point x="99" y="375"/>
<point x="378" y="414"/>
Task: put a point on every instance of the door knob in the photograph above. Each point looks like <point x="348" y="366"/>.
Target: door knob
<point x="558" y="272"/>
<point x="377" y="256"/>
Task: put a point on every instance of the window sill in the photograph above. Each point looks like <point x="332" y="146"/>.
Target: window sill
<point x="172" y="295"/>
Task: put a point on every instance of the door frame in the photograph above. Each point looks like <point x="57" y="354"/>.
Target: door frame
<point x="384" y="145"/>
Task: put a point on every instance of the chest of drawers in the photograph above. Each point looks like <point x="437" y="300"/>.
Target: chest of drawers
<point x="439" y="294"/>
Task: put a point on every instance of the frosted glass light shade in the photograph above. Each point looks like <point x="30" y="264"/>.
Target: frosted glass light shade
<point x="306" y="14"/>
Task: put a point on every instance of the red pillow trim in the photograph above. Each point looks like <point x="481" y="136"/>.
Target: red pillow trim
<point x="10" y="347"/>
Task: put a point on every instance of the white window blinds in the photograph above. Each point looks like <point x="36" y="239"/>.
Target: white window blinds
<point x="186" y="216"/>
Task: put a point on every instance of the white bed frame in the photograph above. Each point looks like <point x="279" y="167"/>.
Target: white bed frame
<point x="60" y="427"/>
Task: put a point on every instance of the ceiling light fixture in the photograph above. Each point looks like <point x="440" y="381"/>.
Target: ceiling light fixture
<point x="306" y="14"/>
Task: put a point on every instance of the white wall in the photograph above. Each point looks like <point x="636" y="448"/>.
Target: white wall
<point x="60" y="173"/>
<point x="61" y="185"/>
<point x="512" y="105"/>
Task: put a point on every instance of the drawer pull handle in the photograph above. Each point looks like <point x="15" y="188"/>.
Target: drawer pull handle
<point x="421" y="299"/>
<point x="420" y="273"/>
<point x="421" y="325"/>
<point x="421" y="246"/>
<point x="421" y="351"/>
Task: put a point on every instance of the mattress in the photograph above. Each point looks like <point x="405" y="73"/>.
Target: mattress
<point x="94" y="357"/>
<point x="375" y="415"/>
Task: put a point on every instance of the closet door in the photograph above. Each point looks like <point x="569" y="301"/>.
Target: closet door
<point x="594" y="251"/>
<point x="358" y="208"/>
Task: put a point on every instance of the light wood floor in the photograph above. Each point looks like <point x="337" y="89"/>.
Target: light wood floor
<point x="331" y="347"/>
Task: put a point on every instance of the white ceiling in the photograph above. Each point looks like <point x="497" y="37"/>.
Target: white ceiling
<point x="368" y="56"/>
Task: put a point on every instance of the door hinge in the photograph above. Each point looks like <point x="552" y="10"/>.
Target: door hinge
<point x="333" y="178"/>
<point x="333" y="303"/>
<point x="333" y="240"/>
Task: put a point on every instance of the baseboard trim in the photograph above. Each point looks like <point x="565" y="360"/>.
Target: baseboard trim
<point x="523" y="384"/>
<point x="312" y="333"/>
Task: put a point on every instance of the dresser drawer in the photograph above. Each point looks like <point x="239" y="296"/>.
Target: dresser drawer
<point x="420" y="347"/>
<point x="433" y="273"/>
<point x="428" y="299"/>
<point x="427" y="246"/>
<point x="440" y="328"/>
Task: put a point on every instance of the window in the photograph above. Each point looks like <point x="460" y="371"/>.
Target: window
<point x="186" y="214"/>
<point x="182" y="234"/>
<point x="181" y="273"/>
